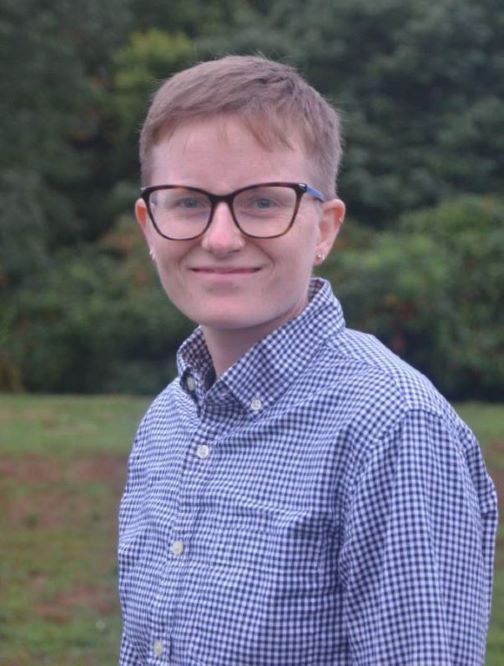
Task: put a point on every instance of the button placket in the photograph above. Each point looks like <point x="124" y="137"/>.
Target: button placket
<point x="158" y="648"/>
<point x="193" y="476"/>
<point x="160" y="652"/>
<point x="256" y="404"/>
<point x="177" y="548"/>
<point x="203" y="451"/>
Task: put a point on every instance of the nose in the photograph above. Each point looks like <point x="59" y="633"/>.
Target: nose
<point x="222" y="236"/>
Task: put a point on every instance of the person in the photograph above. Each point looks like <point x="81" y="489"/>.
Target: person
<point x="297" y="495"/>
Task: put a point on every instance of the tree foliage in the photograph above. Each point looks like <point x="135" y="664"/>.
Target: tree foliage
<point x="53" y="65"/>
<point x="420" y="86"/>
<point x="432" y="291"/>
<point x="96" y="322"/>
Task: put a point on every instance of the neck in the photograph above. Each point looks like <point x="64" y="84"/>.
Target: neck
<point x="227" y="347"/>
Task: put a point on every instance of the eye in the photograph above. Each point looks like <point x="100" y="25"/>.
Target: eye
<point x="261" y="202"/>
<point x="189" y="203"/>
<point x="180" y="201"/>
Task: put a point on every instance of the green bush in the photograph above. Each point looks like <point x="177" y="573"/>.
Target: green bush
<point x="95" y="321"/>
<point x="432" y="289"/>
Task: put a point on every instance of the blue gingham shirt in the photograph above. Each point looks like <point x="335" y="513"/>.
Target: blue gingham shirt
<point x="318" y="504"/>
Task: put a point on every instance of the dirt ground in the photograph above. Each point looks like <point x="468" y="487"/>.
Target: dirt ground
<point x="43" y="495"/>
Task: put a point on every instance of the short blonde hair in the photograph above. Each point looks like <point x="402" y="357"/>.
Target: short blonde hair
<point x="272" y="99"/>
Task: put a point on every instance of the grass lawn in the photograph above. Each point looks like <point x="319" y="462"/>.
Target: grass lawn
<point x="62" y="470"/>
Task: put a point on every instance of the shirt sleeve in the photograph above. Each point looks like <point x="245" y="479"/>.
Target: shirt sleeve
<point x="417" y="557"/>
<point x="130" y="523"/>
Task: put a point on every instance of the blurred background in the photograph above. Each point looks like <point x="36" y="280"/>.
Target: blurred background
<point x="420" y="85"/>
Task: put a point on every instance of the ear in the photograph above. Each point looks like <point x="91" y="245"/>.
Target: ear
<point x="141" y="214"/>
<point x="333" y="214"/>
<point x="142" y="217"/>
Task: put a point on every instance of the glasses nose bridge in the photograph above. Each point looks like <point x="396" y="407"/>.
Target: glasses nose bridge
<point x="228" y="199"/>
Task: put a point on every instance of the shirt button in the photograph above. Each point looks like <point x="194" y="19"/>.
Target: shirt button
<point x="158" y="648"/>
<point x="256" y="404"/>
<point x="177" y="548"/>
<point x="190" y="383"/>
<point x="203" y="451"/>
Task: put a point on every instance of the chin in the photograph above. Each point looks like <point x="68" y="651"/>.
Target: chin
<point x="228" y="323"/>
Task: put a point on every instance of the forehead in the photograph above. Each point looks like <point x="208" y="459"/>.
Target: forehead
<point x="225" y="150"/>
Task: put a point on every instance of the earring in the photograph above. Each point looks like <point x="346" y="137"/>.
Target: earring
<point x="319" y="257"/>
<point x="152" y="255"/>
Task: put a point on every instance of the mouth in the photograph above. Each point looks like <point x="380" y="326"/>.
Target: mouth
<point x="228" y="270"/>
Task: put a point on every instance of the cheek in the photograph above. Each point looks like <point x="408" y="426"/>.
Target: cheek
<point x="299" y="256"/>
<point x="170" y="256"/>
<point x="168" y="272"/>
<point x="176" y="289"/>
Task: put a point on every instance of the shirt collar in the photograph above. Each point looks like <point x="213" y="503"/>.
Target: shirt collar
<point x="265" y="372"/>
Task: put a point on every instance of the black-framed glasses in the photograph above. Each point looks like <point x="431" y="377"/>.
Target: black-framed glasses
<point x="264" y="210"/>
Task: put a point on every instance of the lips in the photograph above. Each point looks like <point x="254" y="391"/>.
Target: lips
<point x="228" y="270"/>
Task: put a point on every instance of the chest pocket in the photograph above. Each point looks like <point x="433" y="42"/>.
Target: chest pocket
<point x="256" y="537"/>
<point x="266" y="582"/>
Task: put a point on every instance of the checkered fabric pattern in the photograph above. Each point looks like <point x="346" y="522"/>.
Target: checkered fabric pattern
<point x="319" y="504"/>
